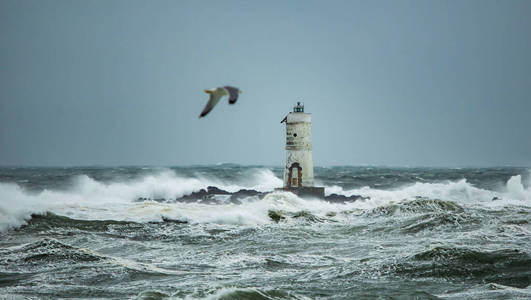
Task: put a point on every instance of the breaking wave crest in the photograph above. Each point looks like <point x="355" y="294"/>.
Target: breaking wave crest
<point x="87" y="198"/>
<point x="514" y="193"/>
<point x="252" y="293"/>
<point x="90" y="199"/>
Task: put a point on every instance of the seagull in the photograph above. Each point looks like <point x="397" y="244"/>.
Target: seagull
<point x="216" y="94"/>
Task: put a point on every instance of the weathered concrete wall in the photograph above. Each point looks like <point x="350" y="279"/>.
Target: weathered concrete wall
<point x="299" y="146"/>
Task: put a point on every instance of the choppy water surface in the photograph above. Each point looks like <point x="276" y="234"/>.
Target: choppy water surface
<point x="153" y="233"/>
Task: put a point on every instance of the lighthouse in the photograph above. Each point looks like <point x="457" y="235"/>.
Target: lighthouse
<point x="298" y="172"/>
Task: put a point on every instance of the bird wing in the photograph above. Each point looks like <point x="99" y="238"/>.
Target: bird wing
<point x="212" y="101"/>
<point x="233" y="93"/>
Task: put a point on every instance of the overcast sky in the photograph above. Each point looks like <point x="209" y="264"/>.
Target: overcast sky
<point x="400" y="83"/>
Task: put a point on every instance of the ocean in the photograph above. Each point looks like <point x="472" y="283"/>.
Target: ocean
<point x="223" y="232"/>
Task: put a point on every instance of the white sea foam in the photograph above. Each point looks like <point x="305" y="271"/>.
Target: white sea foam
<point x="15" y="206"/>
<point x="89" y="199"/>
<point x="516" y="190"/>
<point x="462" y="192"/>
<point x="232" y="292"/>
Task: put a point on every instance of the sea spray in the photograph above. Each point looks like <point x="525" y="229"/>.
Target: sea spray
<point x="132" y="233"/>
<point x="88" y="198"/>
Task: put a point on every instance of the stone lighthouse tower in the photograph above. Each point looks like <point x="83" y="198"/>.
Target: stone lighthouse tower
<point x="298" y="173"/>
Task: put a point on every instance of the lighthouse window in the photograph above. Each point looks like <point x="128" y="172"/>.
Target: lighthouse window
<point x="295" y="135"/>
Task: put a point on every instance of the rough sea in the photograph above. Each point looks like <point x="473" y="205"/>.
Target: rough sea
<point x="222" y="232"/>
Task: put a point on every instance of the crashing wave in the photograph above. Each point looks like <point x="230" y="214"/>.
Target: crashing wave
<point x="168" y="196"/>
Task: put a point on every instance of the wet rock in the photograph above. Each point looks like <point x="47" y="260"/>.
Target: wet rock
<point x="209" y="195"/>
<point x="246" y="193"/>
<point x="276" y="216"/>
<point x="212" y="190"/>
<point x="335" y="198"/>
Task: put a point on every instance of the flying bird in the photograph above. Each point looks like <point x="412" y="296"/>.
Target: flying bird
<point x="217" y="94"/>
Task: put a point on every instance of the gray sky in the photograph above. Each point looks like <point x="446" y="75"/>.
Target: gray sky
<point x="418" y="83"/>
